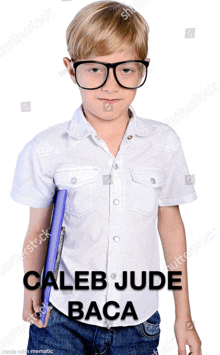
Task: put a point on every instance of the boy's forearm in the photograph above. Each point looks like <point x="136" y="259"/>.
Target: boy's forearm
<point x="34" y="250"/>
<point x="36" y="240"/>
<point x="173" y="239"/>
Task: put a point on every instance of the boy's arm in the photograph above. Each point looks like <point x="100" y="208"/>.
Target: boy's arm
<point x="172" y="234"/>
<point x="34" y="252"/>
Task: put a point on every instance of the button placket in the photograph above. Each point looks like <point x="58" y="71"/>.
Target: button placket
<point x="114" y="224"/>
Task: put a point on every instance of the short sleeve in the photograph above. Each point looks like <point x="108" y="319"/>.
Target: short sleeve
<point x="31" y="185"/>
<point x="178" y="186"/>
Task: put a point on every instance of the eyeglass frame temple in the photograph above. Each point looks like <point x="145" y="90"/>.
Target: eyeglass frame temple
<point x="110" y="65"/>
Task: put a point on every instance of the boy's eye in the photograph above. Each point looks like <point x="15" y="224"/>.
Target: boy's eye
<point x="127" y="70"/>
<point x="94" y="70"/>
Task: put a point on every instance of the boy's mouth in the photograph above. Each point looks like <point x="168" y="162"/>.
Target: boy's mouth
<point x="110" y="101"/>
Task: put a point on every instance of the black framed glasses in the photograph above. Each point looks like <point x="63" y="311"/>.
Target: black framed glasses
<point x="92" y="74"/>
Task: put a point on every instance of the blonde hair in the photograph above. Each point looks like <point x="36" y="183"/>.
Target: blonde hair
<point x="104" y="27"/>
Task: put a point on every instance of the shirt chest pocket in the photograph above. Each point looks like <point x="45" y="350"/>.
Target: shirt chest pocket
<point x="146" y="187"/>
<point x="81" y="185"/>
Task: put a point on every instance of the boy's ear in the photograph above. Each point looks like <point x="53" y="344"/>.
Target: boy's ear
<point x="69" y="66"/>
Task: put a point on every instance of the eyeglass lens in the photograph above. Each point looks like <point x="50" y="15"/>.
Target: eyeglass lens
<point x="93" y="75"/>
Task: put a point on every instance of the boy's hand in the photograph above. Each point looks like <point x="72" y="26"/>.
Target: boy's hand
<point x="186" y="334"/>
<point x="32" y="307"/>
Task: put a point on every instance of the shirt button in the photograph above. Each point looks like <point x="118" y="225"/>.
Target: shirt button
<point x="97" y="137"/>
<point x="73" y="180"/>
<point x="129" y="137"/>
<point x="116" y="166"/>
<point x="113" y="276"/>
<point x="116" y="239"/>
<point x="116" y="202"/>
<point x="153" y="181"/>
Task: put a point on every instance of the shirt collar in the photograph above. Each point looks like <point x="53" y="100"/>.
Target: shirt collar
<point x="80" y="128"/>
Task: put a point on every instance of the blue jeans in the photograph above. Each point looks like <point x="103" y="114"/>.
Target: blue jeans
<point x="64" y="336"/>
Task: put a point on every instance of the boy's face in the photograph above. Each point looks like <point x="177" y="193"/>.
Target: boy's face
<point x="91" y="99"/>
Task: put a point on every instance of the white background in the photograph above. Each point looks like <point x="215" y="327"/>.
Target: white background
<point x="182" y="90"/>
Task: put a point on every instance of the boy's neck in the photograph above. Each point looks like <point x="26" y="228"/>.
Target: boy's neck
<point x="105" y="128"/>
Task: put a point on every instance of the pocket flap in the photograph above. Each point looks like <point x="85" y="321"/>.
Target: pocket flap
<point x="151" y="177"/>
<point x="75" y="177"/>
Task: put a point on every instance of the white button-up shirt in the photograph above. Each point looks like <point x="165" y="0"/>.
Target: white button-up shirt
<point x="111" y="208"/>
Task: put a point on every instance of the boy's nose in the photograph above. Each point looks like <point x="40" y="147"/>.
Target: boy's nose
<point x="111" y="82"/>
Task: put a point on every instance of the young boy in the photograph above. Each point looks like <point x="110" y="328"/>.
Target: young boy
<point x="123" y="174"/>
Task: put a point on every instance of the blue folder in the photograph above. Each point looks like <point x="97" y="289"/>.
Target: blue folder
<point x="55" y="245"/>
